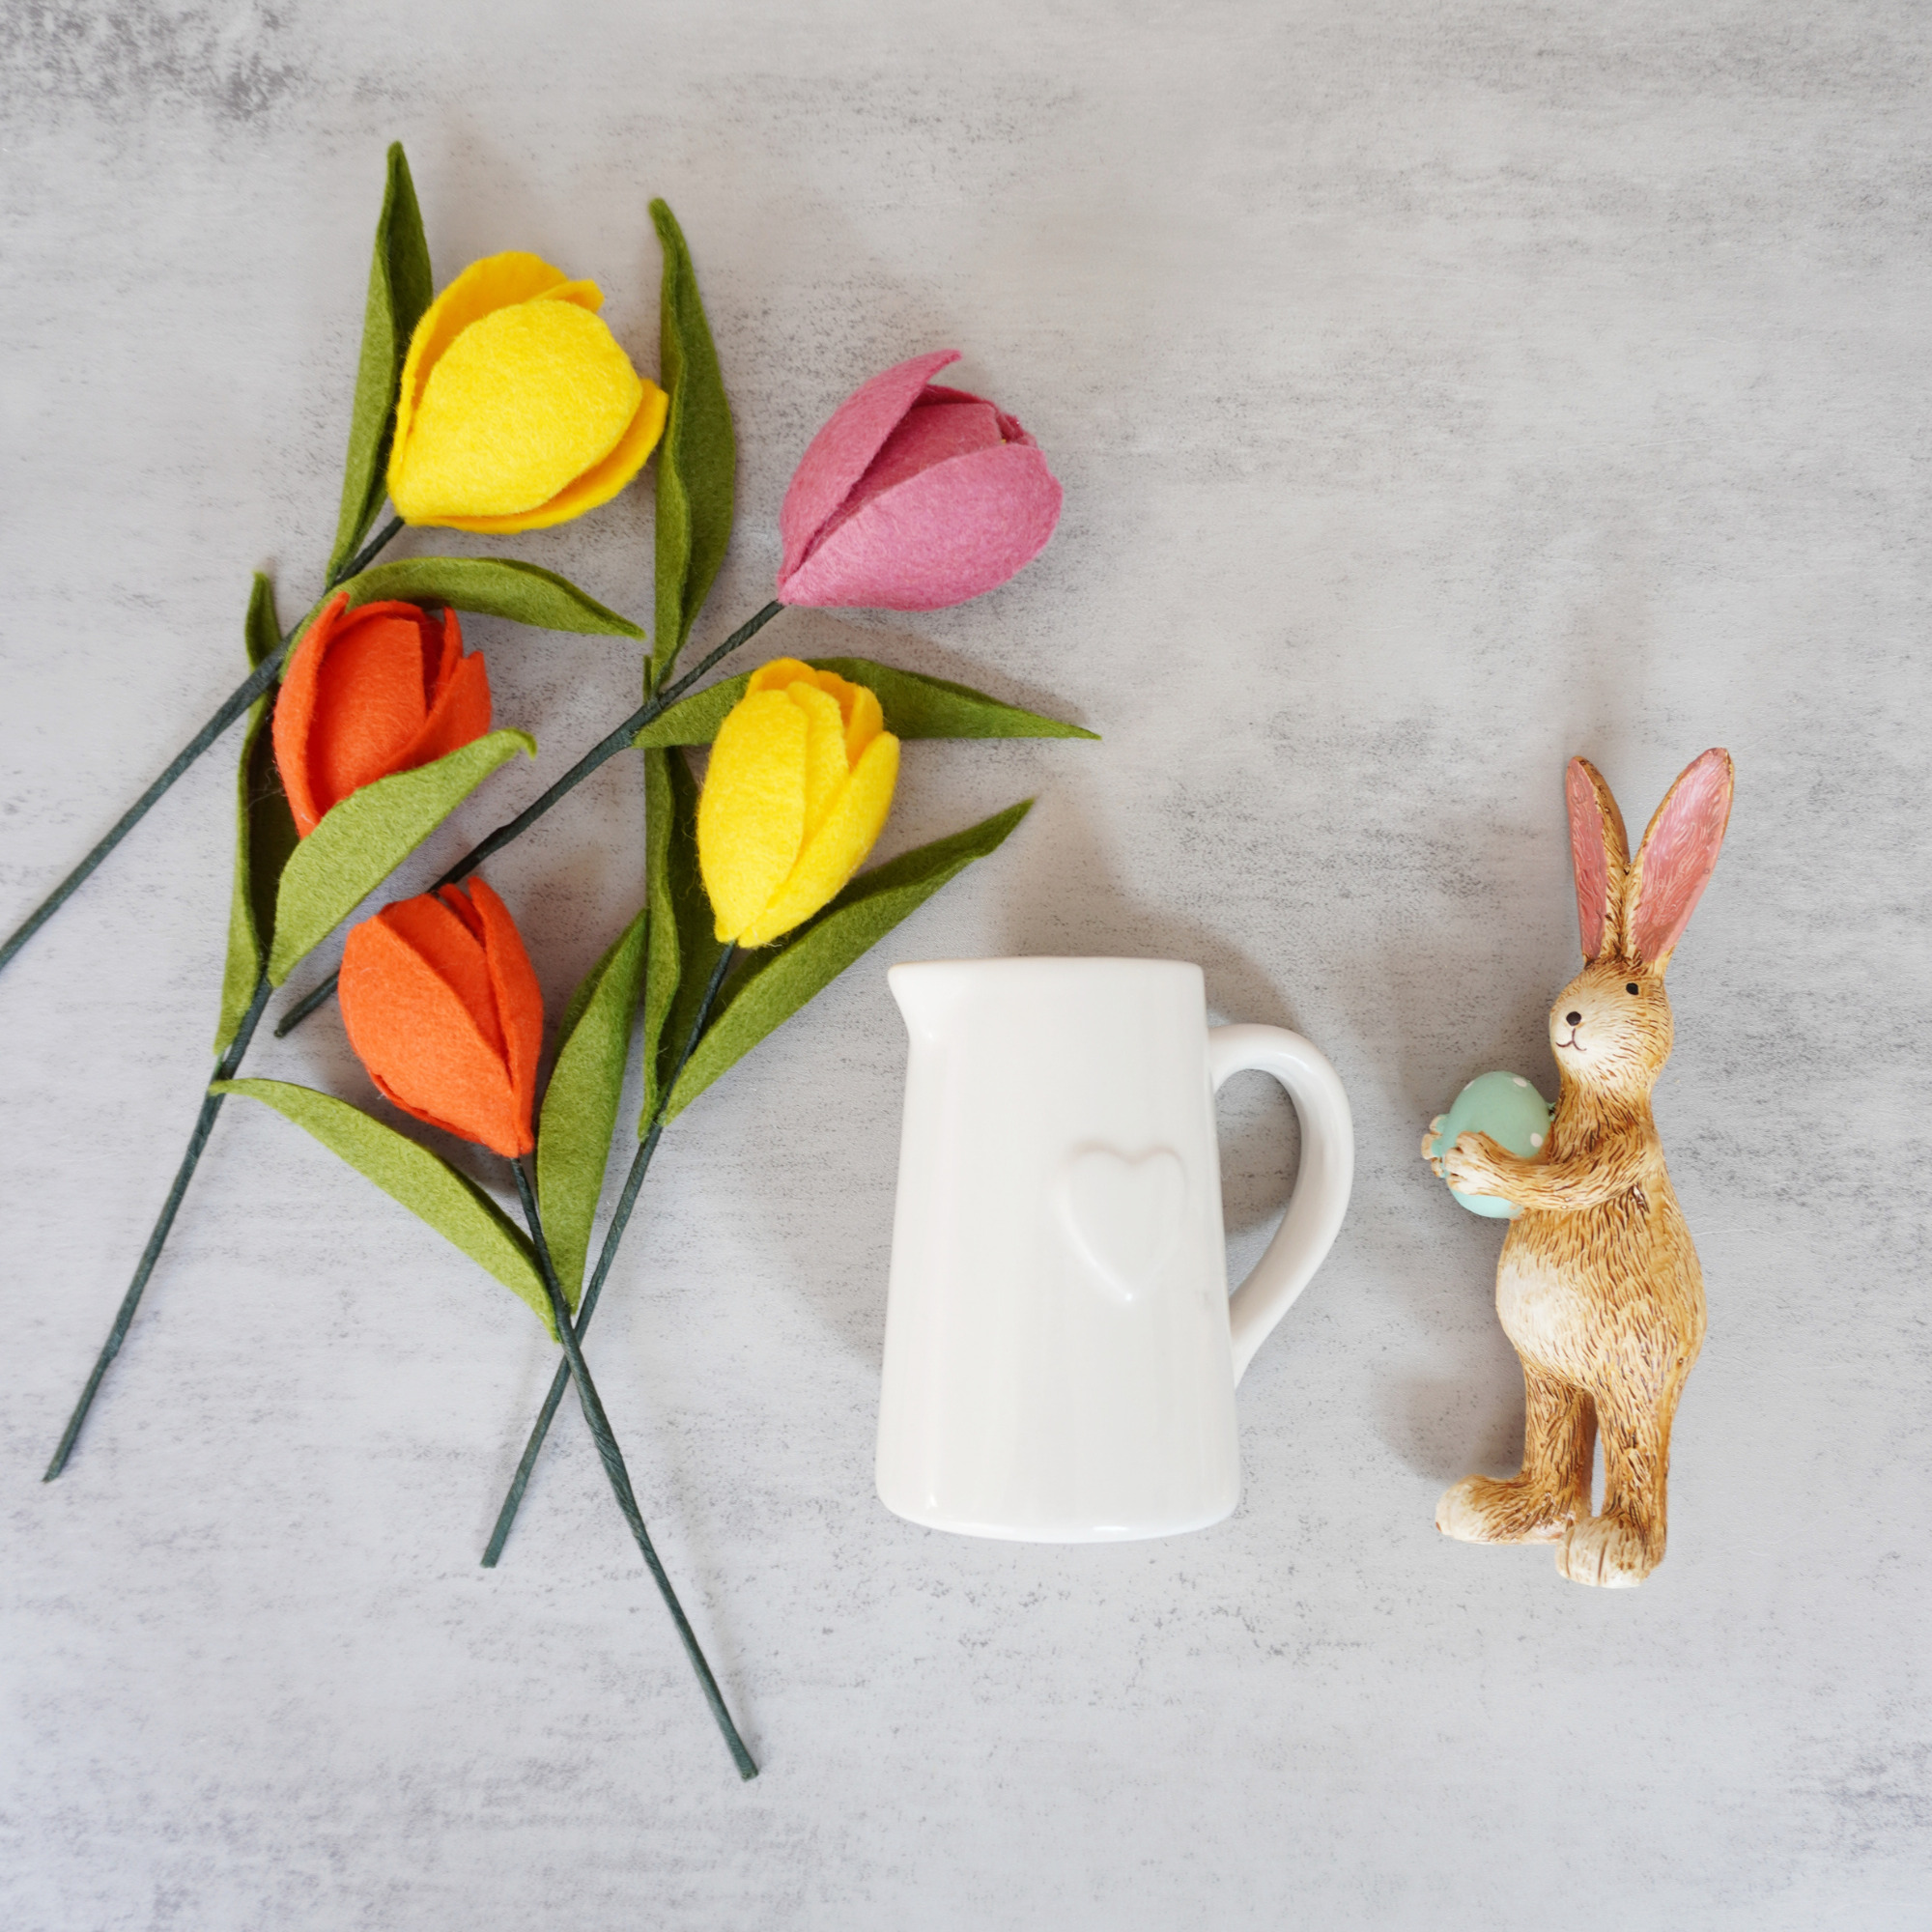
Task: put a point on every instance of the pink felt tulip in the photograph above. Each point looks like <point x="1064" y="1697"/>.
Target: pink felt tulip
<point x="914" y="496"/>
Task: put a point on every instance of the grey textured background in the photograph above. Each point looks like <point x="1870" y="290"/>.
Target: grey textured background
<point x="1438" y="390"/>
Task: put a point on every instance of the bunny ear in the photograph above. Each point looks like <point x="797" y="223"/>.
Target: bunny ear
<point x="1600" y="852"/>
<point x="1679" y="853"/>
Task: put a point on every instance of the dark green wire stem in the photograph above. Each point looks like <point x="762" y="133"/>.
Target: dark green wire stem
<point x="612" y="1236"/>
<point x="604" y="749"/>
<point x="231" y="1060"/>
<point x="620" y="1478"/>
<point x="233" y="705"/>
<point x="204" y="1124"/>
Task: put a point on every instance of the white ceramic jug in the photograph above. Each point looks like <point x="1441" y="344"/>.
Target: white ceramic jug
<point x="1061" y="1347"/>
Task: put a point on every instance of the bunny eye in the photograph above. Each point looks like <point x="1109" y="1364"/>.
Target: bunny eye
<point x="1632" y="987"/>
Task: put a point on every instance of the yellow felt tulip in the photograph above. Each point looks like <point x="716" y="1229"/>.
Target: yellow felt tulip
<point x="801" y="779"/>
<point x="517" y="408"/>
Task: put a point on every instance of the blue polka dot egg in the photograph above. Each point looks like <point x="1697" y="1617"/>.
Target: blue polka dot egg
<point x="1514" y="1115"/>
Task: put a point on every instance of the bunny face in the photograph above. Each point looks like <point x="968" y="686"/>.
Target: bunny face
<point x="1610" y="1028"/>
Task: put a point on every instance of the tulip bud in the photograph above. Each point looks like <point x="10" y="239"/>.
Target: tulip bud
<point x="369" y="691"/>
<point x="914" y="496"/>
<point x="798" y="785"/>
<point x="517" y="408"/>
<point x="443" y="1007"/>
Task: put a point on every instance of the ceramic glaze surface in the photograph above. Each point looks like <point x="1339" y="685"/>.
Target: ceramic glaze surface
<point x="1060" y="1364"/>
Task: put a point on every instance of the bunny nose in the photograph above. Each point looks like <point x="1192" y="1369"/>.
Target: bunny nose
<point x="1572" y="1019"/>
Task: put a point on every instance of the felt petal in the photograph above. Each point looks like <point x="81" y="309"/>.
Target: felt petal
<point x="933" y="432"/>
<point x="447" y="939"/>
<point x="443" y="652"/>
<point x="522" y="403"/>
<point x="953" y="532"/>
<point x="857" y="706"/>
<point x="842" y="450"/>
<point x="781" y="674"/>
<point x="418" y="1040"/>
<point x="459" y="716"/>
<point x="863" y="721"/>
<point x="751" y="818"/>
<point x="493" y="283"/>
<point x="518" y="1001"/>
<point x="597" y="484"/>
<point x="838" y="848"/>
<point x="369" y="701"/>
<point x="825" y="768"/>
<point x="936" y="393"/>
<point x="421" y="1114"/>
<point x="585" y="295"/>
<point x="458" y="902"/>
<point x="295" y="715"/>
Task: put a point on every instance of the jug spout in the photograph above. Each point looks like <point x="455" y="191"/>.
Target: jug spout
<point x="929" y="993"/>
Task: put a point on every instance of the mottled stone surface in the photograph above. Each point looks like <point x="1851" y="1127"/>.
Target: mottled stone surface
<point x="1438" y="390"/>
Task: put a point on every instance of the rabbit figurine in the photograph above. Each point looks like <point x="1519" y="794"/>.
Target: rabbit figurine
<point x="1598" y="1286"/>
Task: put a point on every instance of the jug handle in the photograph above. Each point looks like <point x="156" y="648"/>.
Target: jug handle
<point x="1320" y="1196"/>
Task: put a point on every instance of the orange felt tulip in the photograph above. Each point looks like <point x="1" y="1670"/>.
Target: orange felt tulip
<point x="369" y="692"/>
<point x="443" y="1009"/>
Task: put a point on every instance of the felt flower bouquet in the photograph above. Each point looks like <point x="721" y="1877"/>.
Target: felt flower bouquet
<point x="502" y="405"/>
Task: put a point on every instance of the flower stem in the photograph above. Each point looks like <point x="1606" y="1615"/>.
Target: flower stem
<point x="612" y="1236"/>
<point x="231" y="707"/>
<point x="620" y="1478"/>
<point x="601" y="753"/>
<point x="204" y="1124"/>
<point x="231" y="1060"/>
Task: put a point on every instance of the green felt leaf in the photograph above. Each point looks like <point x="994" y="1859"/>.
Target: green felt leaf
<point x="580" y="1107"/>
<point x="778" y="981"/>
<point x="498" y="587"/>
<point x="265" y="832"/>
<point x="400" y="288"/>
<point x="424" y="1182"/>
<point x="916" y="706"/>
<point x="365" y="837"/>
<point x="698" y="461"/>
<point x="684" y="942"/>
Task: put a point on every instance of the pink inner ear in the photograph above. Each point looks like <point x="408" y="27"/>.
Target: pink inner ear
<point x="1680" y="852"/>
<point x="1589" y="856"/>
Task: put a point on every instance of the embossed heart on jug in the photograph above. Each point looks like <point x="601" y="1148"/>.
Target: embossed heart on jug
<point x="1124" y="1214"/>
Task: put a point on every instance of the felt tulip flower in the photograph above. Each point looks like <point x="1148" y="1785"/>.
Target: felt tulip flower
<point x="444" y="1011"/>
<point x="800" y="781"/>
<point x="371" y="691"/>
<point x="914" y="496"/>
<point x="517" y="408"/>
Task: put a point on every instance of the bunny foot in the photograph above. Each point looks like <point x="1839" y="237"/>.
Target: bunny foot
<point x="1608" y="1550"/>
<point x="1481" y="1510"/>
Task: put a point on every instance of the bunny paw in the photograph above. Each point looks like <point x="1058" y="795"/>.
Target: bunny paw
<point x="1481" y="1510"/>
<point x="1468" y="1165"/>
<point x="1607" y="1551"/>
